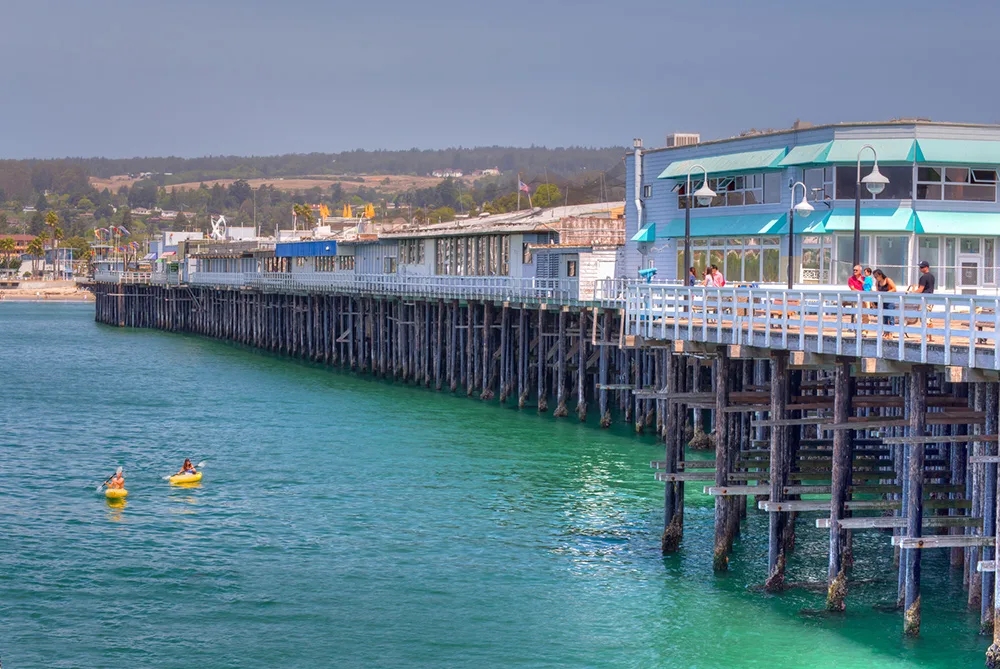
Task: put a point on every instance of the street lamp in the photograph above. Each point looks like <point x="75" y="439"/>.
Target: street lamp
<point x="803" y="209"/>
<point x="875" y="182"/>
<point x="704" y="196"/>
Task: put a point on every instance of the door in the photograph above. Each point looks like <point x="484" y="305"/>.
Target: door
<point x="970" y="271"/>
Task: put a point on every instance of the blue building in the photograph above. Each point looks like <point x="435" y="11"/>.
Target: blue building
<point x="940" y="204"/>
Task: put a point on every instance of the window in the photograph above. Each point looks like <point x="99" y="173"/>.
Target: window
<point x="410" y="251"/>
<point x="988" y="261"/>
<point x="892" y="253"/>
<point x="389" y="265"/>
<point x="772" y="187"/>
<point x="647" y="191"/>
<point x="735" y="190"/>
<point x="526" y="255"/>
<point x="324" y="264"/>
<point x="487" y="255"/>
<point x="819" y="183"/>
<point x="571" y="268"/>
<point x="956" y="184"/>
<point x="300" y="262"/>
<point x="345" y="262"/>
<point x="900" y="186"/>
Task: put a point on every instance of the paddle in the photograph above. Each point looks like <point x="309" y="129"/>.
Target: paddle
<point x="197" y="466"/>
<point x="117" y="471"/>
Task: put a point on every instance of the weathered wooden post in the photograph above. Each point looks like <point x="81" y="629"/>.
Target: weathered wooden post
<point x="603" y="370"/>
<point x="723" y="526"/>
<point x="915" y="498"/>
<point x="779" y="468"/>
<point x="672" y="521"/>
<point x="842" y="463"/>
<point x="989" y="506"/>
<point x="581" y="372"/>
<point x="561" y="410"/>
<point x="522" y="357"/>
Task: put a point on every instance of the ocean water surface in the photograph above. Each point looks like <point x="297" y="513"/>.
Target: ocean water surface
<point x="346" y="522"/>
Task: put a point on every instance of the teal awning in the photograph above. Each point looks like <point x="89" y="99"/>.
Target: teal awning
<point x="727" y="226"/>
<point x="888" y="150"/>
<point x="872" y="220"/>
<point x="647" y="234"/>
<point x="807" y="154"/>
<point x="958" y="151"/>
<point x="733" y="162"/>
<point x="958" y="223"/>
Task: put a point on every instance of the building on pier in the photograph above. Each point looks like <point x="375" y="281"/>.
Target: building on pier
<point x="940" y="204"/>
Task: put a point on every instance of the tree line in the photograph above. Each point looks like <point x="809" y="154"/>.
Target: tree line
<point x="172" y="169"/>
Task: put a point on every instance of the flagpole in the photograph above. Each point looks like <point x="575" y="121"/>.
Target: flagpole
<point x="519" y="191"/>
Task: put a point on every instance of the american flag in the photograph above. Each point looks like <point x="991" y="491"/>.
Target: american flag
<point x="523" y="186"/>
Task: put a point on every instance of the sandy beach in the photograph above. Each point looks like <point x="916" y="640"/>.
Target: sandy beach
<point x="47" y="291"/>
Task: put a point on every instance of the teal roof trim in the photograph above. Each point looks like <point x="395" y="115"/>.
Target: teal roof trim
<point x="958" y="151"/>
<point x="729" y="163"/>
<point x="647" y="234"/>
<point x="958" y="223"/>
<point x="888" y="150"/>
<point x="872" y="220"/>
<point x="807" y="154"/>
<point x="727" y="226"/>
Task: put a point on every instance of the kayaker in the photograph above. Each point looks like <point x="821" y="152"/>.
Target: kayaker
<point x="117" y="480"/>
<point x="188" y="468"/>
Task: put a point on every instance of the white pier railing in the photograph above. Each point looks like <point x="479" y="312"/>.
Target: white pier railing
<point x="608" y="292"/>
<point x="955" y="330"/>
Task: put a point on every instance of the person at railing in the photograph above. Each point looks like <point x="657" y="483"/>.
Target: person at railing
<point x="718" y="281"/>
<point x="869" y="280"/>
<point x="692" y="277"/>
<point x="925" y="286"/>
<point x="856" y="280"/>
<point x="885" y="285"/>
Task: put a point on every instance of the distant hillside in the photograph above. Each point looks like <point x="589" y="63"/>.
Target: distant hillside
<point x="566" y="161"/>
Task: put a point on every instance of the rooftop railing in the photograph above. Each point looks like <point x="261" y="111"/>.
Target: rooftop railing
<point x="955" y="330"/>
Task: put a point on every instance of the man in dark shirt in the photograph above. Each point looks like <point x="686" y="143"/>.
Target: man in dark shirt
<point x="925" y="286"/>
<point x="927" y="281"/>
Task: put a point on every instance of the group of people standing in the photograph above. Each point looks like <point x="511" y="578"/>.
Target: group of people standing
<point x="869" y="280"/>
<point x="712" y="278"/>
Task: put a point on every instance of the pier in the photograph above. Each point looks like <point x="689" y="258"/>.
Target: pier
<point x="853" y="412"/>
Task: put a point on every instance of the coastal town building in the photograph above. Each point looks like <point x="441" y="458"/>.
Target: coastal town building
<point x="940" y="204"/>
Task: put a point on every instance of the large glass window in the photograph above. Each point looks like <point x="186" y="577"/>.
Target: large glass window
<point x="929" y="249"/>
<point x="772" y="187"/>
<point x="989" y="260"/>
<point x="957" y="184"/>
<point x="949" y="263"/>
<point x="891" y="253"/>
<point x="845" y="256"/>
<point x="819" y="183"/>
<point x="900" y="186"/>
<point x="735" y="190"/>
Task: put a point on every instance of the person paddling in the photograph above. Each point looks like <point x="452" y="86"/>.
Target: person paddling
<point x="188" y="468"/>
<point x="117" y="480"/>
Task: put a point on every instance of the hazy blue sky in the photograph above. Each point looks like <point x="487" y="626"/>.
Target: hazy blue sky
<point x="197" y="77"/>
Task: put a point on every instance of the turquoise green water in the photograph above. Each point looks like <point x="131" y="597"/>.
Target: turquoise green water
<point x="352" y="523"/>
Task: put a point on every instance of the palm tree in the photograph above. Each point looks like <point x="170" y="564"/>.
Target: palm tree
<point x="7" y="247"/>
<point x="36" y="248"/>
<point x="52" y="220"/>
<point x="303" y="211"/>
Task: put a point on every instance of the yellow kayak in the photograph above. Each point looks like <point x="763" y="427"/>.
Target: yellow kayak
<point x="185" y="478"/>
<point x="115" y="493"/>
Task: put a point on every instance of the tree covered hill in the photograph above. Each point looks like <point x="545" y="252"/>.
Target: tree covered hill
<point x="562" y="160"/>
